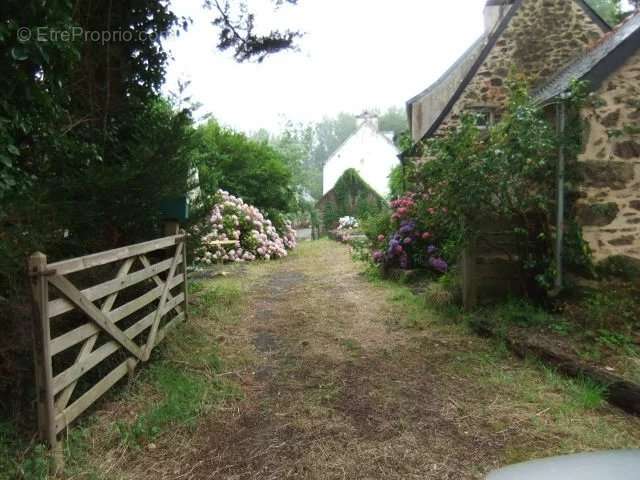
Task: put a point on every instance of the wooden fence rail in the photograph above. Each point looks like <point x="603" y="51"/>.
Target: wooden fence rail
<point x="67" y="349"/>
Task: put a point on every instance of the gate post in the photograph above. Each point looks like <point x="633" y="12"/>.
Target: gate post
<point x="42" y="357"/>
<point x="185" y="283"/>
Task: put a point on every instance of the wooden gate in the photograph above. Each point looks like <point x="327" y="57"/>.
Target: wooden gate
<point x="67" y="348"/>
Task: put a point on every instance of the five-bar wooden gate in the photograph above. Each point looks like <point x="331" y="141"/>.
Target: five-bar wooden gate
<point x="68" y="348"/>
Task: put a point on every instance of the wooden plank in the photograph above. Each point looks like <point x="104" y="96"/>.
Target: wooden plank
<point x="72" y="412"/>
<point x="62" y="305"/>
<point x="135" y="305"/>
<point x="72" y="293"/>
<point x="185" y="285"/>
<point x="145" y="261"/>
<point x="41" y="338"/>
<point x="77" y="335"/>
<point x="87" y="347"/>
<point x="82" y="263"/>
<point x="74" y="372"/>
<point x="156" y="322"/>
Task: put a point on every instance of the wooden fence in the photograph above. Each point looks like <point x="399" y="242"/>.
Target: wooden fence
<point x="68" y="348"/>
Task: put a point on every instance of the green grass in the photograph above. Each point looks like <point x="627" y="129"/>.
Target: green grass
<point x="19" y="459"/>
<point x="183" y="398"/>
<point x="416" y="311"/>
<point x="548" y="412"/>
<point x="178" y="386"/>
<point x="181" y="382"/>
<point x="352" y="346"/>
<point x="219" y="300"/>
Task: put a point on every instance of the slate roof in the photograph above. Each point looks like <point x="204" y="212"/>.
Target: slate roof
<point x="597" y="63"/>
<point x="457" y="71"/>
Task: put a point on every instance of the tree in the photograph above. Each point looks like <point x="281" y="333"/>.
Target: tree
<point x="250" y="169"/>
<point x="295" y="145"/>
<point x="394" y="120"/>
<point x="238" y="32"/>
<point x="88" y="147"/>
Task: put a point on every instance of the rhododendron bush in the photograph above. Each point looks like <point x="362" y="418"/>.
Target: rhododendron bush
<point x="255" y="236"/>
<point x="411" y="243"/>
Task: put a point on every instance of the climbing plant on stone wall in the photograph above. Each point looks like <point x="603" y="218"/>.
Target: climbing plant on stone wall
<point x="351" y="196"/>
<point x="505" y="175"/>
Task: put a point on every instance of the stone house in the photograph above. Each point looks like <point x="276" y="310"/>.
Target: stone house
<point x="553" y="42"/>
<point x="369" y="151"/>
<point x="609" y="203"/>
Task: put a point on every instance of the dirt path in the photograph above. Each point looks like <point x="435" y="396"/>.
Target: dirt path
<point x="335" y="388"/>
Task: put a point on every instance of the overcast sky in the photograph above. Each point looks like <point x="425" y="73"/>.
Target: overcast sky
<point x="356" y="54"/>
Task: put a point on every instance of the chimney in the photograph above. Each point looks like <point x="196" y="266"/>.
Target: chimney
<point x="367" y="117"/>
<point x="494" y="11"/>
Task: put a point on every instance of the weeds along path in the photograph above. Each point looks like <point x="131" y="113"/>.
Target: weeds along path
<point x="341" y="378"/>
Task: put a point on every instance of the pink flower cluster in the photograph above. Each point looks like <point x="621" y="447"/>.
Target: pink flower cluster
<point x="254" y="236"/>
<point x="403" y="207"/>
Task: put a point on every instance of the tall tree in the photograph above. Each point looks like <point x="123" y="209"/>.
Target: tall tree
<point x="248" y="168"/>
<point x="88" y="147"/>
<point x="394" y="120"/>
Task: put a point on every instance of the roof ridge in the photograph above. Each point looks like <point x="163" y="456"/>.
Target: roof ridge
<point x="580" y="66"/>
<point x="450" y="70"/>
<point x="491" y="41"/>
<point x="353" y="134"/>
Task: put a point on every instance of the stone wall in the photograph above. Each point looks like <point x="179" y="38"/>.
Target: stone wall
<point x="609" y="207"/>
<point x="542" y="37"/>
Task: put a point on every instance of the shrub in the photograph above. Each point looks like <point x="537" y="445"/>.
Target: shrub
<point x="410" y="243"/>
<point x="251" y="169"/>
<point x="255" y="236"/>
<point x="503" y="177"/>
<point x="620" y="266"/>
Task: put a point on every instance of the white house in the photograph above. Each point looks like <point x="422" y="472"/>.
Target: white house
<point x="370" y="152"/>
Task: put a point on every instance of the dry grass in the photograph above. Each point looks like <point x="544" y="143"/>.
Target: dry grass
<point x="333" y="385"/>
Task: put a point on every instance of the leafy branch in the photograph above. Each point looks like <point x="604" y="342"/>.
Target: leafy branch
<point x="238" y="32"/>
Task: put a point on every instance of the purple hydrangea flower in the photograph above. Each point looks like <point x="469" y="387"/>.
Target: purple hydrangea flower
<point x="431" y="249"/>
<point x="407" y="227"/>
<point x="438" y="264"/>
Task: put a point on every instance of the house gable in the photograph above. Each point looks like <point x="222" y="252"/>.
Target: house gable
<point x="537" y="38"/>
<point x="424" y="108"/>
<point x="371" y="153"/>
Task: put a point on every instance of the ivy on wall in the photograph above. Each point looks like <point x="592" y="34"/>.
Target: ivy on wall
<point x="351" y="196"/>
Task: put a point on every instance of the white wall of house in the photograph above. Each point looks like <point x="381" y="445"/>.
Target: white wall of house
<point x="370" y="152"/>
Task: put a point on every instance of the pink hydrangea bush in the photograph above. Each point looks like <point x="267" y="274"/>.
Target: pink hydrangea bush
<point x="254" y="236"/>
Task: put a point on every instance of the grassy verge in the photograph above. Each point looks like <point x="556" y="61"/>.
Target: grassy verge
<point x="183" y="382"/>
<point x="549" y="412"/>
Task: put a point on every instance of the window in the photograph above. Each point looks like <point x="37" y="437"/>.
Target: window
<point x="485" y="116"/>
